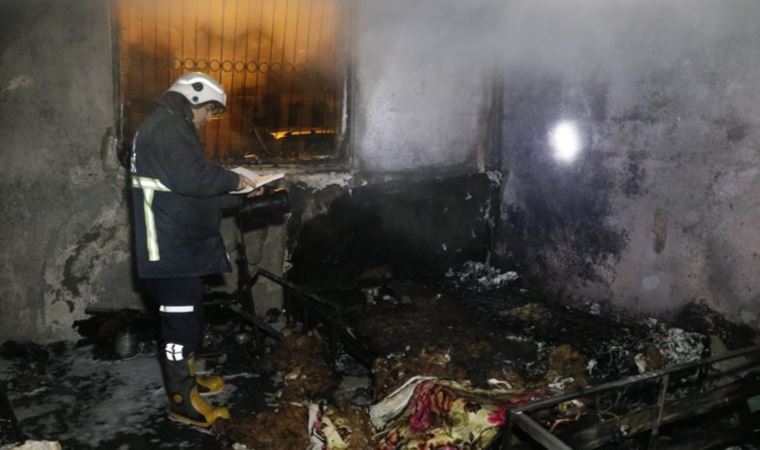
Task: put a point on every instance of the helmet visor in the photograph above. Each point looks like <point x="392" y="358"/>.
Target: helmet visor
<point x="217" y="109"/>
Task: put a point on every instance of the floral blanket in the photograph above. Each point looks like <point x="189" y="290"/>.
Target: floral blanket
<point x="433" y="414"/>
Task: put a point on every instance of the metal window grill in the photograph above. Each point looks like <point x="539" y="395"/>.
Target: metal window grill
<point x="278" y="60"/>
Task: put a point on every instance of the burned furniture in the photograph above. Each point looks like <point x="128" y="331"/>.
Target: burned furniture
<point x="654" y="401"/>
<point x="651" y="418"/>
<point x="480" y="336"/>
<point x="250" y="214"/>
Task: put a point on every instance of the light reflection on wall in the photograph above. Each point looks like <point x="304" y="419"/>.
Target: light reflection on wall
<point x="279" y="60"/>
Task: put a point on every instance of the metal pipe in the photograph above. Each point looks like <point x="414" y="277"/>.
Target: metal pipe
<point x="507" y="436"/>
<point x="660" y="409"/>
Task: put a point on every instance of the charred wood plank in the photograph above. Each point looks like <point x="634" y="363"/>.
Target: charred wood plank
<point x="644" y="419"/>
<point x="660" y="410"/>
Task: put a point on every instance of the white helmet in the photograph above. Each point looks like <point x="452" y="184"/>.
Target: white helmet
<point x="200" y="89"/>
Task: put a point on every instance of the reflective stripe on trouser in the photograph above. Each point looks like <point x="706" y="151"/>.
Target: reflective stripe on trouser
<point x="179" y="302"/>
<point x="174" y="351"/>
<point x="149" y="187"/>
<point x="176" y="309"/>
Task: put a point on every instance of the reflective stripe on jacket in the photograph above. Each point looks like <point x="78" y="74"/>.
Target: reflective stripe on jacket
<point x="176" y="197"/>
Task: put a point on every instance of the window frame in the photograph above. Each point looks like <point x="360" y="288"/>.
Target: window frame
<point x="343" y="159"/>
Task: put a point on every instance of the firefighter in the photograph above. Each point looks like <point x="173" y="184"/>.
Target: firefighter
<point x="177" y="197"/>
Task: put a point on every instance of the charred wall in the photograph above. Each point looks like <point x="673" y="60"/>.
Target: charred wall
<point x="63" y="229"/>
<point x="660" y="209"/>
<point x="402" y="229"/>
<point x="661" y="206"/>
<point x="556" y="217"/>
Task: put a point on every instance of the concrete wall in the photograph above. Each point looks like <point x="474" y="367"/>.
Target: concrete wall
<point x="63" y="229"/>
<point x="661" y="207"/>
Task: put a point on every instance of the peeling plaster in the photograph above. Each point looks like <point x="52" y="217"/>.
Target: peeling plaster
<point x="71" y="275"/>
<point x="319" y="181"/>
<point x="21" y="81"/>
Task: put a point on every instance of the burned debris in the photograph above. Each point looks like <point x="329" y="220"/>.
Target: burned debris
<point x="444" y="369"/>
<point x="452" y="224"/>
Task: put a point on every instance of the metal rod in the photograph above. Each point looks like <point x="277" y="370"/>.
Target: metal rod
<point x="235" y="15"/>
<point x="256" y="106"/>
<point x="334" y="86"/>
<point x="542" y="404"/>
<point x="182" y="40"/>
<point x="254" y="320"/>
<point x="660" y="409"/>
<point x="291" y="94"/>
<point x="195" y="41"/>
<point x="221" y="74"/>
<point x="284" y="36"/>
<point x="539" y="433"/>
<point x="268" y="78"/>
<point x="282" y="282"/>
<point x="156" y="58"/>
<point x="507" y="436"/>
<point x="643" y="419"/>
<point x="141" y="53"/>
<point x="353" y="345"/>
<point x="245" y="75"/>
<point x="304" y="98"/>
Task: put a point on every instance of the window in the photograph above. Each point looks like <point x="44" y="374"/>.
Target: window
<point x="281" y="62"/>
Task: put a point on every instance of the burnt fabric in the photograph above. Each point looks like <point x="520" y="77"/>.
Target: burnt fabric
<point x="179" y="300"/>
<point x="177" y="196"/>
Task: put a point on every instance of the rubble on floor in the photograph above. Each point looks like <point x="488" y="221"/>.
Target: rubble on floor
<point x="284" y="427"/>
<point x="495" y="341"/>
<point x="452" y="363"/>
<point x="84" y="395"/>
<point x="301" y="360"/>
<point x="480" y="276"/>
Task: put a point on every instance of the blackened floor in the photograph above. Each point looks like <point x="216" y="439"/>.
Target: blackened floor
<point x="71" y="394"/>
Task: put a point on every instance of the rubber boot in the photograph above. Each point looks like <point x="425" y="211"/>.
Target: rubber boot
<point x="185" y="403"/>
<point x="206" y="385"/>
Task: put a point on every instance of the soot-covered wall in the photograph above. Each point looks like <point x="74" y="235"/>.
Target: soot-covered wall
<point x="416" y="104"/>
<point x="421" y="83"/>
<point x="63" y="230"/>
<point x="661" y="206"/>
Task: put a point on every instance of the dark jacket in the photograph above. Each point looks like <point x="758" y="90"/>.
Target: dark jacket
<point x="177" y="196"/>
